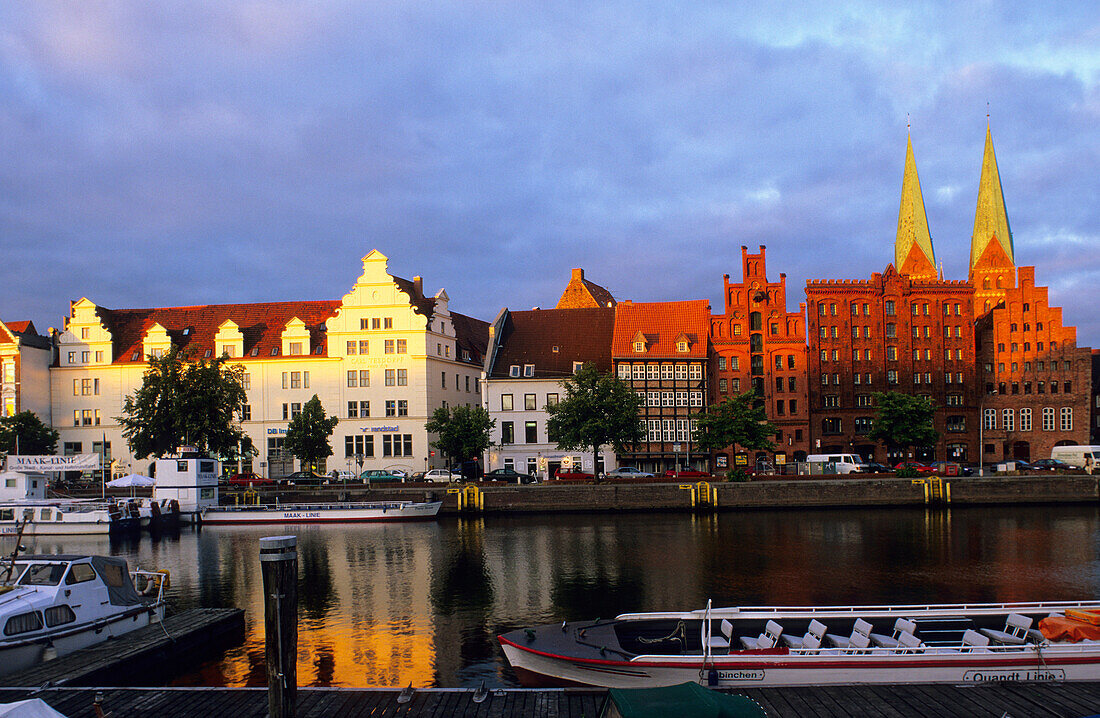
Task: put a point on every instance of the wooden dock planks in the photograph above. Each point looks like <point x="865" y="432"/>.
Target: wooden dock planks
<point x="1012" y="699"/>
<point x="127" y="660"/>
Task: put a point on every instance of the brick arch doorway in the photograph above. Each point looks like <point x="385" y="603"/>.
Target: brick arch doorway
<point x="1021" y="450"/>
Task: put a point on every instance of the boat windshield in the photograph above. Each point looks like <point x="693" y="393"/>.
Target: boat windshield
<point x="43" y="574"/>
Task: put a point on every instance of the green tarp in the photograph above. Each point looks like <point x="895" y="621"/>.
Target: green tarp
<point x="686" y="699"/>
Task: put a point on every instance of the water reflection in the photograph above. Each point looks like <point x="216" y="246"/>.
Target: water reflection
<point x="423" y="603"/>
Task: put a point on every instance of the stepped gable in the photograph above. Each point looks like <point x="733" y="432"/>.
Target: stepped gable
<point x="661" y="323"/>
<point x="552" y="339"/>
<point x="471" y="335"/>
<point x="913" y="252"/>
<point x="424" y="306"/>
<point x="581" y="293"/>
<point x="194" y="328"/>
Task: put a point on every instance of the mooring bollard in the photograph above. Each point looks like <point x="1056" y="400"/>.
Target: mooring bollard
<point x="279" y="565"/>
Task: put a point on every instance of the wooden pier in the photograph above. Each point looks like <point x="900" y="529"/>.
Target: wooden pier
<point x="1000" y="700"/>
<point x="139" y="656"/>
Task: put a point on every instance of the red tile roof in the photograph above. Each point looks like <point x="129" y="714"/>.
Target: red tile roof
<point x="530" y="337"/>
<point x="23" y="327"/>
<point x="661" y="323"/>
<point x="194" y="328"/>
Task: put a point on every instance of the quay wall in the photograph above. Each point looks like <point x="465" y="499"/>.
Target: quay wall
<point x="805" y="493"/>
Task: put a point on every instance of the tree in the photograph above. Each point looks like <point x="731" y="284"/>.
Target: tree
<point x="597" y="409"/>
<point x="183" y="402"/>
<point x="25" y="433"/>
<point x="734" y="421"/>
<point x="904" y="420"/>
<point x="308" y="433"/>
<point x="462" y="431"/>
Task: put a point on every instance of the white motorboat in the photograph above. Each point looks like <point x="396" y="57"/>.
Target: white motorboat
<point x="53" y="605"/>
<point x="804" y="646"/>
<point x="65" y="517"/>
<point x="361" y="512"/>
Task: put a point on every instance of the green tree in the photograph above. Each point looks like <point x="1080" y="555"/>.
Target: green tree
<point x="904" y="421"/>
<point x="597" y="409"/>
<point x="734" y="422"/>
<point x="183" y="402"/>
<point x="462" y="432"/>
<point x="308" y="433"/>
<point x="26" y="433"/>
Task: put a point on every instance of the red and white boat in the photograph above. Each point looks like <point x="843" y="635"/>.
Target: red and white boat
<point x="804" y="646"/>
<point x="341" y="512"/>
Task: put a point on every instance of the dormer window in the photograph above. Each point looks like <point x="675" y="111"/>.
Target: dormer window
<point x="638" y="342"/>
<point x="513" y="370"/>
<point x="681" y="347"/>
<point x="639" y="347"/>
<point x="158" y="353"/>
<point x="295" y="348"/>
<point x="528" y="369"/>
<point x="318" y="351"/>
<point x="228" y="350"/>
<point x="255" y="352"/>
<point x="133" y="357"/>
<point x="554" y="348"/>
<point x="205" y="354"/>
<point x="274" y="351"/>
<point x="577" y="366"/>
<point x="465" y="355"/>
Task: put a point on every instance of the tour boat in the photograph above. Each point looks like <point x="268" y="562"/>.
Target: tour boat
<point x="813" y="646"/>
<point x="343" y="512"/>
<point x="53" y="605"/>
<point x="66" y="517"/>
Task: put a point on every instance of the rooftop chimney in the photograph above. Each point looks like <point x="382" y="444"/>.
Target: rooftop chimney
<point x="418" y="285"/>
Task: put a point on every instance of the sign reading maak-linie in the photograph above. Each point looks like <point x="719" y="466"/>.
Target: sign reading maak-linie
<point x="77" y="462"/>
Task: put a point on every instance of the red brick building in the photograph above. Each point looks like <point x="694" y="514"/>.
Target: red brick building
<point x="661" y="350"/>
<point x="906" y="331"/>
<point x="1037" y="383"/>
<point x="757" y="344"/>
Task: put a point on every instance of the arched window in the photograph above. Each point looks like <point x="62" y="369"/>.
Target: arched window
<point x="1000" y="282"/>
<point x="985" y="283"/>
<point x="754" y="321"/>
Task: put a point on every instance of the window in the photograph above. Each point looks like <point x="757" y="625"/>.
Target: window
<point x="723" y="386"/>
<point x="624" y="371"/>
<point x="391" y="407"/>
<point x="364" y="346"/>
<point x="1067" y="418"/>
<point x="681" y="398"/>
<point x="864" y="424"/>
<point x="696" y="398"/>
<point x="735" y="385"/>
<point x="507" y="432"/>
<point x="388" y="347"/>
<point x="353" y="379"/>
<point x="735" y="365"/>
<point x="387" y="323"/>
<point x="755" y="322"/>
<point x="246" y="412"/>
<point x="1008" y="419"/>
<point x="695" y="372"/>
<point x="529" y="402"/>
<point x="855" y="332"/>
<point x="736" y="330"/>
<point x="295" y="348"/>
<point x="681" y="371"/>
<point x="721" y="363"/>
<point x="402" y="346"/>
<point x="23" y="622"/>
<point x="863" y="400"/>
<point x="831" y="425"/>
<point x="954" y="400"/>
<point x="402" y="407"/>
<point x="403" y="378"/>
<point x="505" y="402"/>
<point x="552" y="399"/>
<point x="682" y="347"/>
<point x="1048" y="419"/>
<point x="892" y="376"/>
<point x="397" y="445"/>
<point x="891" y="331"/>
<point x="530" y="432"/>
<point x="528" y="370"/>
<point x="667" y="398"/>
<point x="295" y="380"/>
<point x="821" y="309"/>
<point x="443" y="379"/>
<point x="1025" y="419"/>
<point x="956" y="422"/>
<point x="888" y="307"/>
<point x="824" y="355"/>
<point x="831" y="401"/>
<point x="891" y="353"/>
<point x="989" y="419"/>
<point x="637" y="372"/>
<point x="779" y="406"/>
<point x="362" y="445"/>
<point x="391" y="377"/>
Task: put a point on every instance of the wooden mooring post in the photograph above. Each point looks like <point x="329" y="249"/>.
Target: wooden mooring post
<point x="279" y="565"/>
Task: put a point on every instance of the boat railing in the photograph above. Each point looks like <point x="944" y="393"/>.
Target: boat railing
<point x="859" y="611"/>
<point x="151" y="584"/>
<point x="294" y="508"/>
<point x="880" y="651"/>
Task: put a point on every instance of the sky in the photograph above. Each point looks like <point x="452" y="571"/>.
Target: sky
<point x="190" y="152"/>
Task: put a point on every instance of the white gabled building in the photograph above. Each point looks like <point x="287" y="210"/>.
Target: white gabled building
<point x="529" y="353"/>
<point x="25" y="358"/>
<point x="382" y="359"/>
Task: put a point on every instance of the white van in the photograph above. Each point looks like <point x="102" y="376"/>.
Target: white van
<point x="1076" y="455"/>
<point x="845" y="463"/>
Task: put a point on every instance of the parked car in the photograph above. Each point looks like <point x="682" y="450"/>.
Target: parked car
<point x="1050" y="465"/>
<point x="873" y="467"/>
<point x="417" y="476"/>
<point x="510" y="475"/>
<point x="247" y="478"/>
<point x="919" y="467"/>
<point x="628" y="472"/>
<point x="304" y="478"/>
<point x="441" y="476"/>
<point x="338" y="475"/>
<point x="1022" y="465"/>
<point x="951" y="468"/>
<point x="673" y="473"/>
<point x="375" y="476"/>
<point x="568" y="475"/>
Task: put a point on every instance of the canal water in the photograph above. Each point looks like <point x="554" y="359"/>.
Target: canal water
<point x="422" y="603"/>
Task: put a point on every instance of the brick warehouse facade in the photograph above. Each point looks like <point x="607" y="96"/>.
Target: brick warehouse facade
<point x="757" y="344"/>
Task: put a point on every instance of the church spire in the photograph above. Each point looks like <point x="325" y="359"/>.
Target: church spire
<point x="913" y="253"/>
<point x="991" y="217"/>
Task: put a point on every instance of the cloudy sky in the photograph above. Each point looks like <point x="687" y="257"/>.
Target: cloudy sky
<point x="192" y="152"/>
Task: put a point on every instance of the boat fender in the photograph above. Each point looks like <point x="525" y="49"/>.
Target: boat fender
<point x="530" y="633"/>
<point x="712" y="678"/>
<point x="167" y="578"/>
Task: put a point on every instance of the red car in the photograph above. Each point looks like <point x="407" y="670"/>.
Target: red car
<point x="572" y="475"/>
<point x="248" y="478"/>
<point x="916" y="466"/>
<point x="672" y="473"/>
